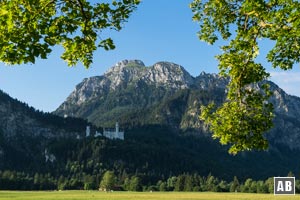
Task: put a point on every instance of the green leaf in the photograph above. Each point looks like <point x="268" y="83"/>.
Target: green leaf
<point x="29" y="29"/>
<point x="246" y="115"/>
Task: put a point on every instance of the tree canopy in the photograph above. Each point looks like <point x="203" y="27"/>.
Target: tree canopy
<point x="30" y="28"/>
<point x="108" y="181"/>
<point x="246" y="115"/>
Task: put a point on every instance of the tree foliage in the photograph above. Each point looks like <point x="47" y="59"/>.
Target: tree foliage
<point x="108" y="181"/>
<point x="29" y="29"/>
<point x="246" y="115"/>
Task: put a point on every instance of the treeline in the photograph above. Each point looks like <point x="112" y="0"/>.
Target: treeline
<point x="12" y="180"/>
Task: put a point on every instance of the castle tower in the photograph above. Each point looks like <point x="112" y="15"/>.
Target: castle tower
<point x="117" y="127"/>
<point x="87" y="131"/>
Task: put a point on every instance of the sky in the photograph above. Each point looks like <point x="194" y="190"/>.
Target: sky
<point x="159" y="30"/>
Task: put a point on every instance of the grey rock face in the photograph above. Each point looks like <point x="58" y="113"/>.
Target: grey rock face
<point x="204" y="81"/>
<point x="88" y="89"/>
<point x="125" y="73"/>
<point x="169" y="75"/>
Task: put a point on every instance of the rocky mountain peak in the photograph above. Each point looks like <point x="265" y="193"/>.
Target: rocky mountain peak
<point x="169" y="74"/>
<point x="162" y="73"/>
<point x="284" y="103"/>
<point x="128" y="73"/>
<point x="125" y="64"/>
<point x="206" y="80"/>
<point x="130" y="63"/>
<point x="124" y="72"/>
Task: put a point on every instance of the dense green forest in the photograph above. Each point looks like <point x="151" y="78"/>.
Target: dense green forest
<point x="150" y="158"/>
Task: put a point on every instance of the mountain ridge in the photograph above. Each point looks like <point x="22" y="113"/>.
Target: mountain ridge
<point x="165" y="93"/>
<point x="161" y="77"/>
<point x="163" y="134"/>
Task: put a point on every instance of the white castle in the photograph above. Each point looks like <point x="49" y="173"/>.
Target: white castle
<point x="108" y="133"/>
<point x="113" y="133"/>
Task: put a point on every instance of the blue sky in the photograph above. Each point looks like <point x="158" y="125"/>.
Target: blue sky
<point x="159" y="30"/>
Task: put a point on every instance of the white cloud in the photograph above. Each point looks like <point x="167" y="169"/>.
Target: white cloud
<point x="289" y="81"/>
<point x="286" y="77"/>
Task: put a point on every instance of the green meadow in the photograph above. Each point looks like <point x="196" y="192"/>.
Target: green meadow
<point x="93" y="195"/>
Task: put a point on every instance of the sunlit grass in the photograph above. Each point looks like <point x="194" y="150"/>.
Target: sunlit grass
<point x="95" y="195"/>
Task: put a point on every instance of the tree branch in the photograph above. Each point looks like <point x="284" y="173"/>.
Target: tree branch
<point x="86" y="18"/>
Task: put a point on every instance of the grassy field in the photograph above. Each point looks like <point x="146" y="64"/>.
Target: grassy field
<point x="93" y="195"/>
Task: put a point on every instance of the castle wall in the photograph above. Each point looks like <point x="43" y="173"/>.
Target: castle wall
<point x="113" y="135"/>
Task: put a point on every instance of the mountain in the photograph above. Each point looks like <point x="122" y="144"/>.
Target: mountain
<point x="129" y="90"/>
<point x="25" y="133"/>
<point x="158" y="106"/>
<point x="167" y="94"/>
